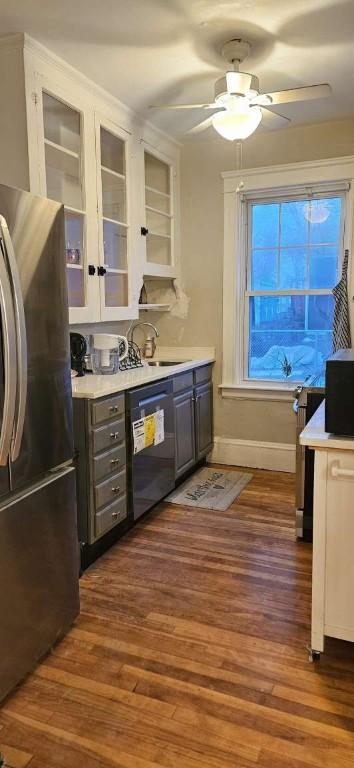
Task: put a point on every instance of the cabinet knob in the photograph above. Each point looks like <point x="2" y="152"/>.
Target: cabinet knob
<point x="114" y="435"/>
<point x="113" y="408"/>
<point x="144" y="231"/>
<point x="114" y="461"/>
<point x="116" y="489"/>
<point x="114" y="515"/>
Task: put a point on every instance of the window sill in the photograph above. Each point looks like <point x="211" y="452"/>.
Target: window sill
<point x="259" y="391"/>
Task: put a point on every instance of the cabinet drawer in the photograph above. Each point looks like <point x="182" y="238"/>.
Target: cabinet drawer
<point x="107" y="408"/>
<point x="202" y="374"/>
<point x="183" y="381"/>
<point x="110" y="516"/>
<point x="108" y="490"/>
<point x="110" y="461"/>
<point x="108" y="436"/>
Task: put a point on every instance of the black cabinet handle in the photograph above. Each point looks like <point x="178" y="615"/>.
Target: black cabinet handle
<point x="91" y="269"/>
<point x="144" y="231"/>
<point x="101" y="271"/>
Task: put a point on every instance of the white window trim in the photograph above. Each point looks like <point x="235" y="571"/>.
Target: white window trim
<point x="279" y="179"/>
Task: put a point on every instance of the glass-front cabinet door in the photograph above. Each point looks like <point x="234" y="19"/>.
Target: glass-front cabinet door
<point x="65" y="182"/>
<point x="114" y="221"/>
<point x="159" y="216"/>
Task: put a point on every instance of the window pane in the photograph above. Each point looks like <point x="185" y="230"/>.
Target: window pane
<point x="63" y="176"/>
<point x="158" y="249"/>
<point x="157" y="200"/>
<point x="290" y="337"/>
<point x="112" y="152"/>
<point x="293" y="268"/>
<point x="157" y="174"/>
<point x="116" y="290"/>
<point x="114" y="245"/>
<point x="277" y="312"/>
<point x="265" y="225"/>
<point x="325" y="219"/>
<point x="113" y="197"/>
<point x="294" y="226"/>
<point x="74" y="238"/>
<point x="76" y="287"/>
<point x="158" y="224"/>
<point x="264" y="270"/>
<point x="61" y="123"/>
<point x="320" y="312"/>
<point x="323" y="267"/>
<point x="296" y="245"/>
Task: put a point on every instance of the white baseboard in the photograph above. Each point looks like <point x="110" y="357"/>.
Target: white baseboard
<point x="249" y="453"/>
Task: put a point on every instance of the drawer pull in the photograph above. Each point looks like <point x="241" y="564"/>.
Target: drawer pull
<point x="116" y="489"/>
<point x="337" y="472"/>
<point x="114" y="435"/>
<point x="114" y="515"/>
<point x="115" y="461"/>
<point x="113" y="408"/>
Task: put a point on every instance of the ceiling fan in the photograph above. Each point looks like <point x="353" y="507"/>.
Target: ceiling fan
<point x="240" y="105"/>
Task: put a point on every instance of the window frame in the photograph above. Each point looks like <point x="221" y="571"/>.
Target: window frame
<point x="326" y="177"/>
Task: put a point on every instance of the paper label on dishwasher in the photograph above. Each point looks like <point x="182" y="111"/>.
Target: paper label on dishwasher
<point x="149" y="431"/>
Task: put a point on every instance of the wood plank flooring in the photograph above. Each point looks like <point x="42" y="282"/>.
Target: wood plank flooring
<point x="190" y="652"/>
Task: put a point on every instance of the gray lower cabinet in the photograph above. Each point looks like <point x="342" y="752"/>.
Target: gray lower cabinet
<point x="184" y="432"/>
<point x="99" y="435"/>
<point x="193" y="404"/>
<point x="203" y="419"/>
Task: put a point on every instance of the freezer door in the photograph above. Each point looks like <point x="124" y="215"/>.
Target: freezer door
<point x="36" y="228"/>
<point x="39" y="573"/>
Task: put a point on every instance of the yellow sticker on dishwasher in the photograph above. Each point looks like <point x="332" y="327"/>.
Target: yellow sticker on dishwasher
<point x="150" y="429"/>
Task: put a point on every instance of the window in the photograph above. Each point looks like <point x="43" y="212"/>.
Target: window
<point x="294" y="251"/>
<point x="285" y="231"/>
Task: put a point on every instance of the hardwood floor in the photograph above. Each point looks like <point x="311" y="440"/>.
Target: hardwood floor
<point x="190" y="652"/>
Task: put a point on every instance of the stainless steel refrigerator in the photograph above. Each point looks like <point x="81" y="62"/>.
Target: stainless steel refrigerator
<point x="39" y="562"/>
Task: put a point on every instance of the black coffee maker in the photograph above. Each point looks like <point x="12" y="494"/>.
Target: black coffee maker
<point x="78" y="349"/>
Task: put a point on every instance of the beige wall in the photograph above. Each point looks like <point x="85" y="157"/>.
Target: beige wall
<point x="202" y="254"/>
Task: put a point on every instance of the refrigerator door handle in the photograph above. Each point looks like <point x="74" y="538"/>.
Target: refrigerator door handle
<point x="21" y="341"/>
<point x="9" y="352"/>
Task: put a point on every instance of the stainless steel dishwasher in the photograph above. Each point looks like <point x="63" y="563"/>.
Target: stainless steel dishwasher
<point x="151" y="469"/>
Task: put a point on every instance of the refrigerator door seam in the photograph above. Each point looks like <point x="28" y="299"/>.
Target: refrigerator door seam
<point x="35" y="486"/>
<point x="9" y="351"/>
<point x="21" y="337"/>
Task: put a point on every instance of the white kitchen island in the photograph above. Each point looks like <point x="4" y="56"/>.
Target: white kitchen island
<point x="333" y="534"/>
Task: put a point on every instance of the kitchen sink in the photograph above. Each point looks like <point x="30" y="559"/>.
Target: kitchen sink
<point x="161" y="363"/>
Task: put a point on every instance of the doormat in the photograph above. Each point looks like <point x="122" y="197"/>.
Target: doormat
<point x="210" y="489"/>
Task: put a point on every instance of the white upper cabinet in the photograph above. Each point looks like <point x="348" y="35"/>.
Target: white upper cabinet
<point x="159" y="226"/>
<point x="114" y="212"/>
<point x="65" y="167"/>
<point x="63" y="137"/>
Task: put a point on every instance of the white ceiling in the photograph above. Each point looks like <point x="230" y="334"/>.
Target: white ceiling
<point x="148" y="51"/>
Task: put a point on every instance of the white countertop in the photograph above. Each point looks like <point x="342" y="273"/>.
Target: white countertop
<point x="92" y="386"/>
<point x="314" y="435"/>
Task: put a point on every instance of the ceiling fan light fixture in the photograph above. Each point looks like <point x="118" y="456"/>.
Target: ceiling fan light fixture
<point x="237" y="124"/>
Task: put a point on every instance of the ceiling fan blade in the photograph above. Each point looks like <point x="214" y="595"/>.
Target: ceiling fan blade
<point x="184" y="106"/>
<point x="202" y="126"/>
<point x="272" y="121"/>
<point x="305" y="93"/>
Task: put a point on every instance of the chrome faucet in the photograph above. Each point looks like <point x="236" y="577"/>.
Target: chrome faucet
<point x="149" y="347"/>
